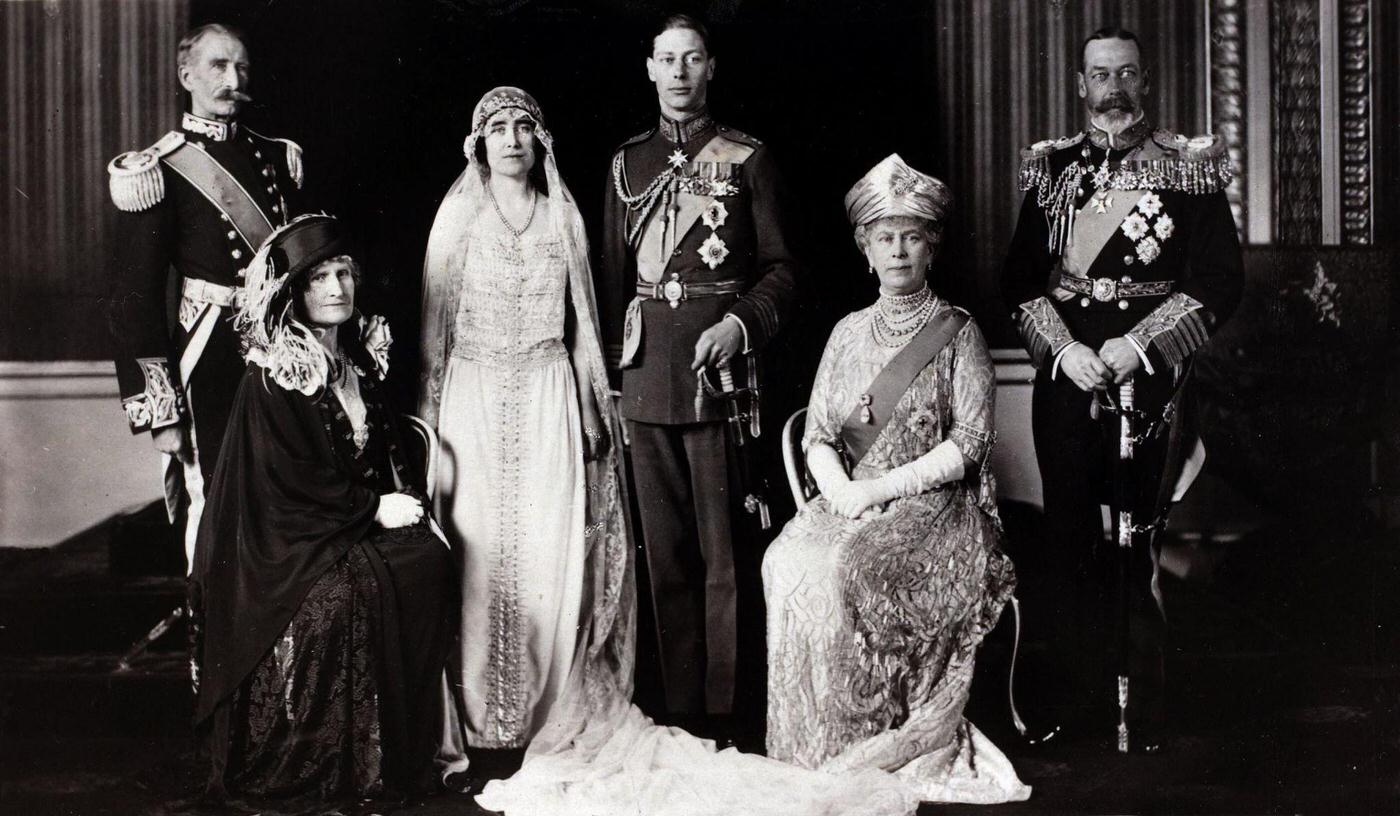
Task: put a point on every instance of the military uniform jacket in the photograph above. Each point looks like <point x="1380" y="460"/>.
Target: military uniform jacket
<point x="1134" y="241"/>
<point x="725" y="201"/>
<point x="169" y="217"/>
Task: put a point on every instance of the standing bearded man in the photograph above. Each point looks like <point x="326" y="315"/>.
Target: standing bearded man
<point x="1125" y="261"/>
<point x="201" y="200"/>
<point x="696" y="278"/>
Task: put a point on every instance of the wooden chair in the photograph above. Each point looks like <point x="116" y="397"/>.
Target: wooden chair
<point x="428" y="451"/>
<point x="794" y="464"/>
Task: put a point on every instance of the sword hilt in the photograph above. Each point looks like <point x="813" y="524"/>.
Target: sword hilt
<point x="1122" y="714"/>
<point x="1126" y="400"/>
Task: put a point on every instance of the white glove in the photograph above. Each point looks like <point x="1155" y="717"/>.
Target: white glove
<point x="857" y="498"/>
<point x="939" y="466"/>
<point x="398" y="510"/>
<point x="827" y="469"/>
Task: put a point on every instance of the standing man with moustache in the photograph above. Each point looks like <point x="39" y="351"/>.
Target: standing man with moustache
<point x="696" y="278"/>
<point x="1124" y="262"/>
<point x="200" y="200"/>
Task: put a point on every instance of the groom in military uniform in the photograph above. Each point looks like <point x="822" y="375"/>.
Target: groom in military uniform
<point x="696" y="278"/>
<point x="1125" y="260"/>
<point x="201" y="200"/>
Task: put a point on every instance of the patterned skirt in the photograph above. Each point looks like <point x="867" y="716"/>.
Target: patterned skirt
<point x="345" y="706"/>
<point x="873" y="627"/>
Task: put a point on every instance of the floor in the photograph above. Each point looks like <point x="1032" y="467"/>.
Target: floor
<point x="1285" y="671"/>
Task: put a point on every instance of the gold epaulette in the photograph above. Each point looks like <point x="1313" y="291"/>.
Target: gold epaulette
<point x="295" y="168"/>
<point x="135" y="179"/>
<point x="1035" y="160"/>
<point x="1197" y="165"/>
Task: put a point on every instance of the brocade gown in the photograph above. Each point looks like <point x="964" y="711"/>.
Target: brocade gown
<point x="874" y="623"/>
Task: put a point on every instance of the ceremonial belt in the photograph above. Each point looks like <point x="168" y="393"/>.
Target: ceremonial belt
<point x="202" y="291"/>
<point x="876" y="406"/>
<point x="1106" y="290"/>
<point x="215" y="183"/>
<point x="675" y="290"/>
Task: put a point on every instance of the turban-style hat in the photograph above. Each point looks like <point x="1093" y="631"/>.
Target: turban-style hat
<point x="893" y="188"/>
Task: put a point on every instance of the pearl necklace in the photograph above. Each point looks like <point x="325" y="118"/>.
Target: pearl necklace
<point x="534" y="200"/>
<point x="898" y="318"/>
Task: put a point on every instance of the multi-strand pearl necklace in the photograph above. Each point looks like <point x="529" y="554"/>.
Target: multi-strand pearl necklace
<point x="897" y="318"/>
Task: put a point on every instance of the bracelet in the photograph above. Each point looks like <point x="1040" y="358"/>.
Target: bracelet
<point x="593" y="436"/>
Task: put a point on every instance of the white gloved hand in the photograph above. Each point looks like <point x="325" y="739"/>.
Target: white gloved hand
<point x="398" y="510"/>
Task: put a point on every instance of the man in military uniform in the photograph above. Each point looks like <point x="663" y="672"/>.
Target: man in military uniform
<point x="201" y="200"/>
<point x="696" y="277"/>
<point x="1124" y="261"/>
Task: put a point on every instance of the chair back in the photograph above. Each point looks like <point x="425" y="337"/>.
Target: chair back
<point x="794" y="463"/>
<point x="426" y="438"/>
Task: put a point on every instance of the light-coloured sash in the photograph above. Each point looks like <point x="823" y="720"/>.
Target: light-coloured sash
<point x="653" y="254"/>
<point x="1093" y="229"/>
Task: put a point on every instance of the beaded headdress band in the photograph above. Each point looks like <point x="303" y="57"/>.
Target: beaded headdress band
<point x="497" y="100"/>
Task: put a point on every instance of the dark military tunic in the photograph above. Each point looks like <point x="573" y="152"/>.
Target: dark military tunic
<point x="691" y="204"/>
<point x="166" y="221"/>
<point x="1135" y="239"/>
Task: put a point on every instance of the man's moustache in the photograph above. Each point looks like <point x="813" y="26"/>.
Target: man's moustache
<point x="1117" y="102"/>
<point x="237" y="96"/>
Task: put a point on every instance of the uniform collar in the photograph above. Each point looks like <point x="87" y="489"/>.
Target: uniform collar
<point x="1130" y="137"/>
<point x="217" y="131"/>
<point x="685" y="131"/>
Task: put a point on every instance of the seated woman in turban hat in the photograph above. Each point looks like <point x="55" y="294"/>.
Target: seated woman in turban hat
<point x="880" y="590"/>
<point x="326" y="596"/>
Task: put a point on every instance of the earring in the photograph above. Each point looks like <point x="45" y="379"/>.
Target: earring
<point x="872" y="269"/>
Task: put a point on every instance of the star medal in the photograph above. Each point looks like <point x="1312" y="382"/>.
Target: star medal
<point x="677" y="159"/>
<point x="1102" y="176"/>
<point x="1102" y="201"/>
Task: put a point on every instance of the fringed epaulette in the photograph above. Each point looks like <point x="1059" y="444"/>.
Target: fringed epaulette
<point x="1195" y="165"/>
<point x="135" y="178"/>
<point x="1035" y="160"/>
<point x="739" y="136"/>
<point x="295" y="168"/>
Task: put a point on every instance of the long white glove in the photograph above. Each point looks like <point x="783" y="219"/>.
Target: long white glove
<point x="853" y="498"/>
<point x="827" y="469"/>
<point x="939" y="466"/>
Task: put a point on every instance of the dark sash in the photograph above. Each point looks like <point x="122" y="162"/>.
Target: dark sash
<point x="893" y="380"/>
<point x="215" y="182"/>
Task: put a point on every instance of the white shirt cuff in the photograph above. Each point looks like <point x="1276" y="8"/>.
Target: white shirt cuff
<point x="1142" y="355"/>
<point x="742" y="328"/>
<point x="1055" y="367"/>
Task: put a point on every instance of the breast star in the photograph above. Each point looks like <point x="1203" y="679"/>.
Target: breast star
<point x="677" y="159"/>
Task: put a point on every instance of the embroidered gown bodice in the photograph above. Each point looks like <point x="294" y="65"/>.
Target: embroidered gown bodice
<point x="511" y="308"/>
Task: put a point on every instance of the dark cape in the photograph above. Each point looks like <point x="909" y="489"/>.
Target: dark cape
<point x="298" y="590"/>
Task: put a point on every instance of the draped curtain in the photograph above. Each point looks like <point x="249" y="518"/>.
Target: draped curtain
<point x="82" y="80"/>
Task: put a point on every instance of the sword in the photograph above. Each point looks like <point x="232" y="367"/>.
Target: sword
<point x="1123" y="494"/>
<point x="741" y="417"/>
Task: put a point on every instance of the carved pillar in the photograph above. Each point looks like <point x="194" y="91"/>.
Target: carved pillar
<point x="1356" y="131"/>
<point x="1227" y="78"/>
<point x="1297" y="123"/>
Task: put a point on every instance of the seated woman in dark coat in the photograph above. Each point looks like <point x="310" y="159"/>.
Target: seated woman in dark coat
<point x="325" y="593"/>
